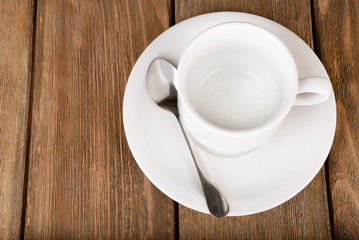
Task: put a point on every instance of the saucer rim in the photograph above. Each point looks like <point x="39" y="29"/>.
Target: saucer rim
<point x="158" y="183"/>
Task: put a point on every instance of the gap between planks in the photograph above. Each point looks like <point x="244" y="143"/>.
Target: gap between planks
<point x="29" y="123"/>
<point x="316" y="47"/>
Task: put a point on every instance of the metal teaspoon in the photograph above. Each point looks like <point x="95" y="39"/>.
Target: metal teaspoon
<point x="160" y="77"/>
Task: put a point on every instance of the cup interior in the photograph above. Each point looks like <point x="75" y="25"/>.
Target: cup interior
<point x="237" y="76"/>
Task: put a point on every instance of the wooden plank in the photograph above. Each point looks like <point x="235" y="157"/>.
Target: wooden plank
<point x="83" y="180"/>
<point x="306" y="215"/>
<point x="337" y="34"/>
<point x="16" y="20"/>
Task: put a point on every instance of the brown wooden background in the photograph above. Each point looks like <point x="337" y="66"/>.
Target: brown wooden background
<point x="66" y="170"/>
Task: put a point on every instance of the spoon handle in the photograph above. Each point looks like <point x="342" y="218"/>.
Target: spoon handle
<point x="216" y="203"/>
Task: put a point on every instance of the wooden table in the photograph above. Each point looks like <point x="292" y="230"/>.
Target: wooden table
<point x="66" y="170"/>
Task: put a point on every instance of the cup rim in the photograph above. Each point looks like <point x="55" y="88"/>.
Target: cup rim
<point x="183" y="96"/>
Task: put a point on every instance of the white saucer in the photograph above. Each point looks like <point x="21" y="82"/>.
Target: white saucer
<point x="255" y="182"/>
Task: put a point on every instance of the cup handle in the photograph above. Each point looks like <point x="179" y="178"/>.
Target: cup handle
<point x="312" y="90"/>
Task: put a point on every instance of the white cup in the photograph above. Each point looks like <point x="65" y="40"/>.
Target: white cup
<point x="236" y="82"/>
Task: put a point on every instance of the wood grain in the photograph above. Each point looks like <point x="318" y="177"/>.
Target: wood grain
<point x="16" y="20"/>
<point x="306" y="215"/>
<point x="337" y="33"/>
<point x="83" y="180"/>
